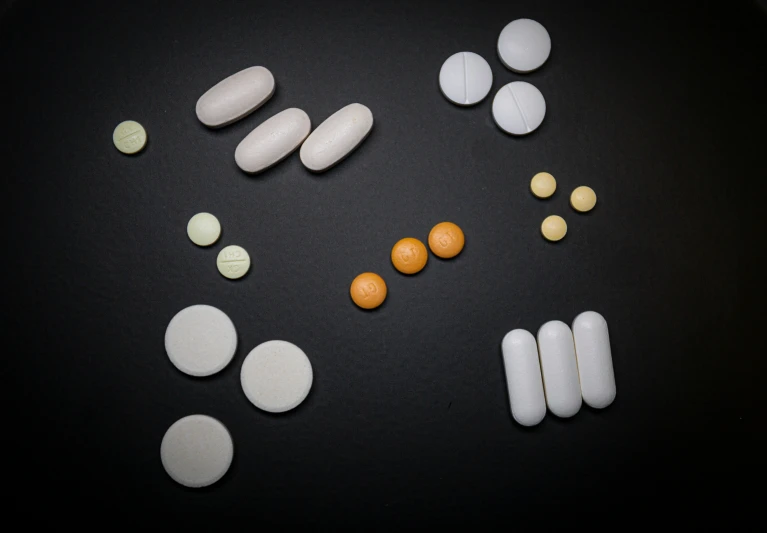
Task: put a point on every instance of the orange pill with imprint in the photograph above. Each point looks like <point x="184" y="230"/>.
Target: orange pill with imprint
<point x="446" y="240"/>
<point x="368" y="290"/>
<point x="409" y="255"/>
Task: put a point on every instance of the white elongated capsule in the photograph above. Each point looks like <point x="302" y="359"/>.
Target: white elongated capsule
<point x="273" y="140"/>
<point x="523" y="377"/>
<point x="335" y="138"/>
<point x="595" y="360"/>
<point x="235" y="97"/>
<point x="559" y="368"/>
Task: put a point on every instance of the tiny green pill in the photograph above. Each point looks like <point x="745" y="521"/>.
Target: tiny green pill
<point x="129" y="137"/>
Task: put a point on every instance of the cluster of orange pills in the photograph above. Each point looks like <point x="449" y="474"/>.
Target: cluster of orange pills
<point x="409" y="256"/>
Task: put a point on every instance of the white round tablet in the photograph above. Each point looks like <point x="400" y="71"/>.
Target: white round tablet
<point x="197" y="451"/>
<point x="276" y="376"/>
<point x="200" y="340"/>
<point x="203" y="229"/>
<point x="524" y="45"/>
<point x="465" y="78"/>
<point x="519" y="108"/>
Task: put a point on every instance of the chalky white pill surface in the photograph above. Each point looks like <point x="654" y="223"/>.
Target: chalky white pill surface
<point x="276" y="376"/>
<point x="273" y="140"/>
<point x="524" y="45"/>
<point x="233" y="262"/>
<point x="465" y="78"/>
<point x="523" y="377"/>
<point x="235" y="97"/>
<point x="203" y="229"/>
<point x="129" y="137"/>
<point x="197" y="451"/>
<point x="519" y="108"/>
<point x="595" y="360"/>
<point x="200" y="340"/>
<point x="337" y="137"/>
<point x="559" y="368"/>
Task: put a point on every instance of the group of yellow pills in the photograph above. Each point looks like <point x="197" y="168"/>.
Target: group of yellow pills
<point x="409" y="256"/>
<point x="582" y="199"/>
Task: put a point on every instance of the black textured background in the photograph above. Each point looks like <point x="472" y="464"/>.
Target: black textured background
<point x="408" y="418"/>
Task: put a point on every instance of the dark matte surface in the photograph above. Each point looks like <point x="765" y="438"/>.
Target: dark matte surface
<point x="408" y="418"/>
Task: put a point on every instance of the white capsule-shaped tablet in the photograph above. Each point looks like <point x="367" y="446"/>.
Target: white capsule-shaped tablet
<point x="465" y="78"/>
<point x="273" y="140"/>
<point x="523" y="377"/>
<point x="595" y="360"/>
<point x="559" y="368"/>
<point x="235" y="97"/>
<point x="519" y="108"/>
<point x="335" y="138"/>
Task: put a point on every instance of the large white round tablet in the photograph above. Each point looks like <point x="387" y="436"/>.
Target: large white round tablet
<point x="276" y="376"/>
<point x="465" y="78"/>
<point x="519" y="108"/>
<point x="200" y="340"/>
<point x="203" y="229"/>
<point x="524" y="45"/>
<point x="197" y="451"/>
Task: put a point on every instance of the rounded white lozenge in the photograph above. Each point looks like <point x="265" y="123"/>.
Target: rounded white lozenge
<point x="519" y="108"/>
<point x="465" y="78"/>
<point x="200" y="340"/>
<point x="203" y="229"/>
<point x="276" y="376"/>
<point x="339" y="135"/>
<point x="235" y="97"/>
<point x="595" y="360"/>
<point x="233" y="262"/>
<point x="524" y="45"/>
<point x="273" y="140"/>
<point x="523" y="377"/>
<point x="559" y="369"/>
<point x="197" y="451"/>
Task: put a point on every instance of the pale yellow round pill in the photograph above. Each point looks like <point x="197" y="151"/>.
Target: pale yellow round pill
<point x="583" y="199"/>
<point x="203" y="229"/>
<point x="543" y="185"/>
<point x="554" y="228"/>
<point x="129" y="137"/>
<point x="233" y="262"/>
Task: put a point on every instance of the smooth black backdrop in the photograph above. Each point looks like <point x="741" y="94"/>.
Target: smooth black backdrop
<point x="651" y="104"/>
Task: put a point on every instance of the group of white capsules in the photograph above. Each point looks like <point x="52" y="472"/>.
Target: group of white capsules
<point x="279" y="136"/>
<point x="518" y="107"/>
<point x="562" y="368"/>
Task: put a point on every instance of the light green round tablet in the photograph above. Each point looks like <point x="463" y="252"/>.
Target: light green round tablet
<point x="203" y="229"/>
<point x="129" y="137"/>
<point x="233" y="262"/>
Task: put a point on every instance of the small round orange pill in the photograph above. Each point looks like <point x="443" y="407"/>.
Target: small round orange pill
<point x="446" y="240"/>
<point x="409" y="255"/>
<point x="368" y="290"/>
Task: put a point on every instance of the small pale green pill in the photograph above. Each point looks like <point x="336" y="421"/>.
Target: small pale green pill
<point x="203" y="229"/>
<point x="233" y="262"/>
<point x="129" y="137"/>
